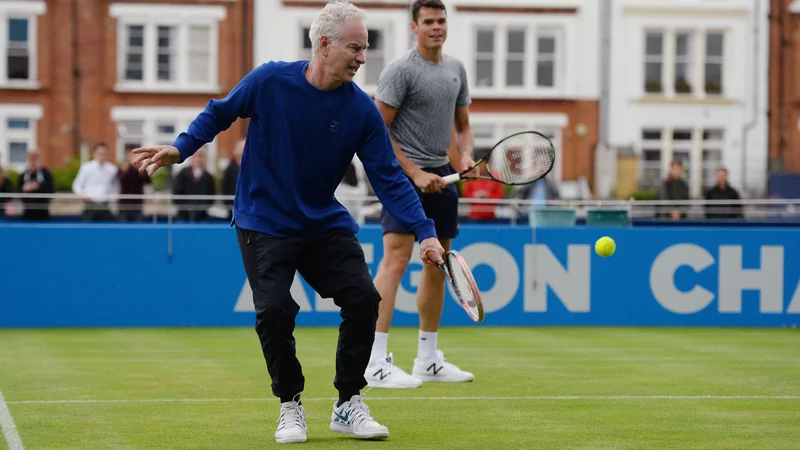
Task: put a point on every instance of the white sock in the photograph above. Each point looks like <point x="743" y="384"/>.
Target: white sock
<point x="379" y="347"/>
<point x="427" y="345"/>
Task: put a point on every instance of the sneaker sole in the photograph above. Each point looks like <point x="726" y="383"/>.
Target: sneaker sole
<point x="348" y="430"/>
<point x="438" y="379"/>
<point x="293" y="440"/>
<point x="380" y="384"/>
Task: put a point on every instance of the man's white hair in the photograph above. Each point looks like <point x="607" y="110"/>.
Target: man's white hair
<point x="329" y="22"/>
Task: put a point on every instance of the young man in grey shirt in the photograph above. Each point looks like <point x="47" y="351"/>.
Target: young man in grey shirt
<point x="421" y="96"/>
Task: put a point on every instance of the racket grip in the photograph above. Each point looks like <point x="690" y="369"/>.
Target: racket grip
<point x="450" y="179"/>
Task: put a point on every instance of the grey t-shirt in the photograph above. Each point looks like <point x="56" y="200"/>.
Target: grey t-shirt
<point x="426" y="96"/>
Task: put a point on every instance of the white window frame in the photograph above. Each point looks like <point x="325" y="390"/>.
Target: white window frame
<point x="385" y="27"/>
<point x="662" y="59"/>
<point x="713" y="145"/>
<point x="695" y="145"/>
<point x="151" y="117"/>
<point x="31" y="113"/>
<point x="151" y="16"/>
<point x="30" y="11"/>
<point x="500" y="123"/>
<point x="697" y="60"/>
<point x="716" y="60"/>
<point x="555" y="26"/>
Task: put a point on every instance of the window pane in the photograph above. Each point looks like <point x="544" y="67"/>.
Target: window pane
<point x="682" y="44"/>
<point x="306" y="39"/>
<point x="651" y="135"/>
<point x="713" y="135"/>
<point x="714" y="43"/>
<point x="516" y="41"/>
<point x="682" y="135"/>
<point x="484" y="73"/>
<point x="18" y="30"/>
<point x="199" y="54"/>
<point x="545" y="73"/>
<point x="374" y="68"/>
<point x="18" y="67"/>
<point x="547" y="45"/>
<point x="17" y="152"/>
<point x="165" y="50"/>
<point x="515" y="73"/>
<point x="654" y="43"/>
<point x="134" y="53"/>
<point x="652" y="77"/>
<point x="131" y="128"/>
<point x="485" y="41"/>
<point x="19" y="124"/>
<point x="713" y="78"/>
<point x="375" y="56"/>
<point x="166" y="128"/>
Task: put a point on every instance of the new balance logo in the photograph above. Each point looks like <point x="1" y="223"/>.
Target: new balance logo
<point x="381" y="374"/>
<point x="435" y="368"/>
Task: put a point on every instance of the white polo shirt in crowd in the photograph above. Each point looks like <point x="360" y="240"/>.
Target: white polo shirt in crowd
<point x="97" y="182"/>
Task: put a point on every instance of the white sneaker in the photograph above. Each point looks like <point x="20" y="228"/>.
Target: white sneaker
<point x="386" y="375"/>
<point x="438" y="369"/>
<point x="291" y="424"/>
<point x="353" y="417"/>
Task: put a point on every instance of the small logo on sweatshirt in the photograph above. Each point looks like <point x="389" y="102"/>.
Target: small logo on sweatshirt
<point x="334" y="126"/>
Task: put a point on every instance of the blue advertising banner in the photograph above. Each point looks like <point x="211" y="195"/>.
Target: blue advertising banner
<point x="123" y="275"/>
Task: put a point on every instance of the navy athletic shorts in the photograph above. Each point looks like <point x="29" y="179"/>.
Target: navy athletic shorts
<point x="441" y="207"/>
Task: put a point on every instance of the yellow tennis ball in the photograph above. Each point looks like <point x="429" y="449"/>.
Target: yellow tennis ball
<point x="605" y="246"/>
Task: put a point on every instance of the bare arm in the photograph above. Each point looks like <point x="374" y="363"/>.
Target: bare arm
<point x="426" y="181"/>
<point x="388" y="114"/>
<point x="464" y="141"/>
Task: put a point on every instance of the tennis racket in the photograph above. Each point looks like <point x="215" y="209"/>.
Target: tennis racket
<point x="462" y="284"/>
<point x="521" y="158"/>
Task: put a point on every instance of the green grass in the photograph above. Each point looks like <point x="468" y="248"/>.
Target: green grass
<point x="211" y="389"/>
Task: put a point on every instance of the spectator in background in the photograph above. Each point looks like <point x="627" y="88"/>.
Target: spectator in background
<point x="5" y="188"/>
<point x="131" y="182"/>
<point x="194" y="180"/>
<point x="723" y="191"/>
<point x="98" y="183"/>
<point x="483" y="189"/>
<point x="675" y="188"/>
<point x="231" y="176"/>
<point x="36" y="180"/>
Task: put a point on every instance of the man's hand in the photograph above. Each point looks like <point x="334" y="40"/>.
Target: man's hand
<point x="466" y="164"/>
<point x="431" y="251"/>
<point x="429" y="183"/>
<point x="155" y="157"/>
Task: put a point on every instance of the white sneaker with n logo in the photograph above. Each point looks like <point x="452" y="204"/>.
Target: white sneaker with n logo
<point x="385" y="374"/>
<point x="353" y="417"/>
<point x="438" y="369"/>
<point x="291" y="423"/>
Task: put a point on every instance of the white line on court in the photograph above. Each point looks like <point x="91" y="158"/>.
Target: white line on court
<point x="8" y="427"/>
<point x="370" y="399"/>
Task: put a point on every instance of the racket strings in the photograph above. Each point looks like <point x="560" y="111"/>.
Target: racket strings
<point x="521" y="159"/>
<point x="460" y="283"/>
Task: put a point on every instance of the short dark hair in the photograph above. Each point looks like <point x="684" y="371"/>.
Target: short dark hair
<point x="419" y="4"/>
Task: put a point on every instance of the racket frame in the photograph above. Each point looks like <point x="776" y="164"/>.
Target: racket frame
<point x="473" y="286"/>
<point x="452" y="178"/>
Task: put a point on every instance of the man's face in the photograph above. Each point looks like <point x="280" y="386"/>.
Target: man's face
<point x="430" y="27"/>
<point x="198" y="160"/>
<point x="344" y="59"/>
<point x="722" y="177"/>
<point x="101" y="154"/>
<point x="33" y="161"/>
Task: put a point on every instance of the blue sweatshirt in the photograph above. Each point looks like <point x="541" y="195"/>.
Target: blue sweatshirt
<point x="299" y="144"/>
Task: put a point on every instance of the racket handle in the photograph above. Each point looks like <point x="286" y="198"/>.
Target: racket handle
<point x="450" y="179"/>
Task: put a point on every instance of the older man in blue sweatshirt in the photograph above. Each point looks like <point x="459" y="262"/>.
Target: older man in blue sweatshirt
<point x="308" y="119"/>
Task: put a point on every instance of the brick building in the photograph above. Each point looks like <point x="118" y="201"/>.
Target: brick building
<point x="784" y="87"/>
<point x="128" y="73"/>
